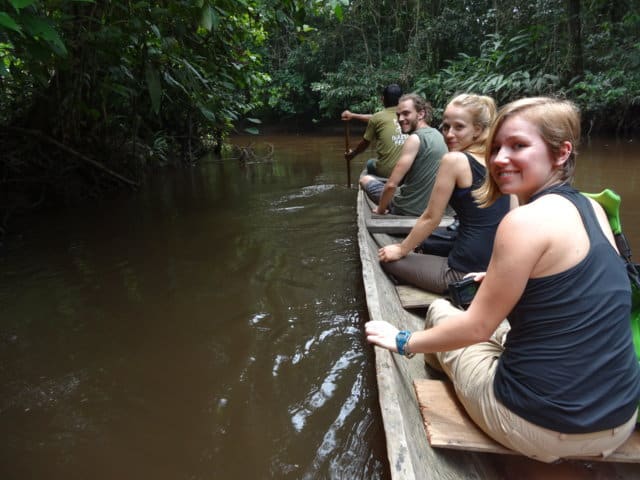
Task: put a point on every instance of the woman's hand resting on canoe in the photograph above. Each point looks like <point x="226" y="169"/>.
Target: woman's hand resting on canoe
<point x="382" y="333"/>
<point x="390" y="253"/>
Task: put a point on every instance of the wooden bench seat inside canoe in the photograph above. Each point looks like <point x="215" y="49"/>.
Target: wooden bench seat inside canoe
<point x="447" y="425"/>
<point x="412" y="297"/>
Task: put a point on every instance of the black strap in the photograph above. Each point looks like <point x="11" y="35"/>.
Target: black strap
<point x="625" y="252"/>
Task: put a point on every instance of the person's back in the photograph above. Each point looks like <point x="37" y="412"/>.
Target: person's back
<point x="413" y="195"/>
<point x="384" y="129"/>
<point x="551" y="372"/>
<point x="471" y="250"/>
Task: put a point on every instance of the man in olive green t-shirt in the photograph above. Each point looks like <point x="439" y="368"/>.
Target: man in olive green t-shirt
<point x="384" y="129"/>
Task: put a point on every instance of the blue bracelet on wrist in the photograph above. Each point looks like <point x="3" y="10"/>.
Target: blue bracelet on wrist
<point x="401" y="343"/>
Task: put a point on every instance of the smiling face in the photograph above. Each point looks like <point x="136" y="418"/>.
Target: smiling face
<point x="521" y="162"/>
<point x="531" y="144"/>
<point x="408" y="117"/>
<point x="458" y="128"/>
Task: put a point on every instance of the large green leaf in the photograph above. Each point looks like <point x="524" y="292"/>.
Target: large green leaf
<point x="209" y="18"/>
<point x="154" y="86"/>
<point x="18" y="4"/>
<point x="40" y="27"/>
<point x="7" y="22"/>
<point x="4" y="71"/>
<point x="208" y="114"/>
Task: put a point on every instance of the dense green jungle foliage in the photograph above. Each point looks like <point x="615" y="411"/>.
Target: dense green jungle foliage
<point x="94" y="94"/>
<point x="588" y="51"/>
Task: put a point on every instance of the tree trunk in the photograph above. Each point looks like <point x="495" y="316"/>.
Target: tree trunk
<point x="576" y="66"/>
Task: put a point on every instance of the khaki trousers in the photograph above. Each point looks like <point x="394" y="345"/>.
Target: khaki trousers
<point x="472" y="370"/>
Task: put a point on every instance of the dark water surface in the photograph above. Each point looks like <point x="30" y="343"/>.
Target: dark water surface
<point x="208" y="326"/>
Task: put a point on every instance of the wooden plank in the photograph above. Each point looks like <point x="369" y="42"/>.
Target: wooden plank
<point x="447" y="425"/>
<point x="414" y="297"/>
<point x="392" y="224"/>
<point x="396" y="225"/>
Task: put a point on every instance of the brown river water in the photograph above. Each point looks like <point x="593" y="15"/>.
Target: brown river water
<point x="208" y="326"/>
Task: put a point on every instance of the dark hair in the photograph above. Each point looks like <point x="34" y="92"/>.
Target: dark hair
<point x="391" y="94"/>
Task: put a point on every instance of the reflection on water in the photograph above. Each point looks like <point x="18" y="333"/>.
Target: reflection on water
<point x="206" y="327"/>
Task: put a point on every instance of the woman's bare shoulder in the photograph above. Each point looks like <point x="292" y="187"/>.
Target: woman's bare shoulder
<point x="527" y="219"/>
<point x="454" y="157"/>
<point x="542" y="220"/>
<point x="455" y="162"/>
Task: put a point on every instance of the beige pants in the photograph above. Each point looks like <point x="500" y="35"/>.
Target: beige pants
<point x="472" y="370"/>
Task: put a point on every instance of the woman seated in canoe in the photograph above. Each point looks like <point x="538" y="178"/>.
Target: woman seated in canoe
<point x="465" y="126"/>
<point x="565" y="380"/>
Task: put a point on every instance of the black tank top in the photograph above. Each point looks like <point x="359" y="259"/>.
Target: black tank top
<point x="569" y="363"/>
<point x="472" y="249"/>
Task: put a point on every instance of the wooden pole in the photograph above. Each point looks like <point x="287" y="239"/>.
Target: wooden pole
<point x="346" y="150"/>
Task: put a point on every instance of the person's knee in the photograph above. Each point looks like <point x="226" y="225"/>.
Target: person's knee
<point x="439" y="310"/>
<point x="444" y="306"/>
<point x="365" y="179"/>
<point x="371" y="166"/>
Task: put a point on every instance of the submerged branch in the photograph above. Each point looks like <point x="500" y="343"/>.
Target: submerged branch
<point x="250" y="153"/>
<point x="61" y="146"/>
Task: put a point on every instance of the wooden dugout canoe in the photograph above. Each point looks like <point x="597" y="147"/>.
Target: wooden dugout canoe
<point x="410" y="455"/>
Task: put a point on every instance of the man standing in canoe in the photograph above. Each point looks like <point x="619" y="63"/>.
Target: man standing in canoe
<point x="384" y="129"/>
<point x="409" y="186"/>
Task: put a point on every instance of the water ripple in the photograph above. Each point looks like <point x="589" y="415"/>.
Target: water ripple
<point x="331" y="441"/>
<point x="323" y="393"/>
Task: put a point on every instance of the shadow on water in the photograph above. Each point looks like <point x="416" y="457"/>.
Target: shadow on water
<point x="206" y="327"/>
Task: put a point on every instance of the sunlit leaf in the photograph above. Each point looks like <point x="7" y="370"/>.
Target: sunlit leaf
<point x="254" y="120"/>
<point x="338" y="12"/>
<point x="252" y="130"/>
<point x="206" y="21"/>
<point x="173" y="82"/>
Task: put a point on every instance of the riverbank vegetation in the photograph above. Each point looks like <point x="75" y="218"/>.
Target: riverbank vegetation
<point x="588" y="51"/>
<point x="93" y="95"/>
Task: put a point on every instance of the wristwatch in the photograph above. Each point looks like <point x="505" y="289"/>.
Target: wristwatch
<point x="402" y="338"/>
